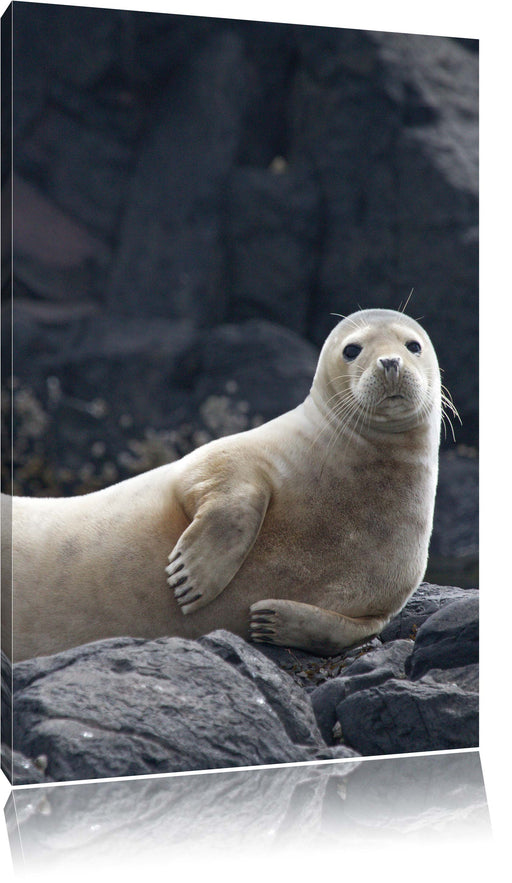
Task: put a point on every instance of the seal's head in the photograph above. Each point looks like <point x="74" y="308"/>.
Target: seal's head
<point x="378" y="371"/>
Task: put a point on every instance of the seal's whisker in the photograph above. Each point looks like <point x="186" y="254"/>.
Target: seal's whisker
<point x="343" y="415"/>
<point x="403" y="309"/>
<point x="329" y="420"/>
<point x="446" y="419"/>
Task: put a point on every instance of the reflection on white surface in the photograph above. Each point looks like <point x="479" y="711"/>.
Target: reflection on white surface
<point x="335" y="806"/>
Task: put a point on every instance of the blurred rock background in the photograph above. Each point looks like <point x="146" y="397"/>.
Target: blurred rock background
<point x="192" y="200"/>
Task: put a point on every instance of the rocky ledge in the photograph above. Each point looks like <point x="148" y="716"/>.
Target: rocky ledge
<point x="127" y="706"/>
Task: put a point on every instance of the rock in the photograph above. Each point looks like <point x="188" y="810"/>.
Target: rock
<point x="453" y="553"/>
<point x="84" y="418"/>
<point x="6" y="718"/>
<point x="369" y="670"/>
<point x="170" y="258"/>
<point x="443" y="659"/>
<point x="426" y="600"/>
<point x="86" y="83"/>
<point x="20" y="770"/>
<point x="466" y="677"/>
<point x="56" y="256"/>
<point x="405" y="716"/>
<point x="250" y="371"/>
<point x="296" y="716"/>
<point x="272" y="234"/>
<point x="410" y="696"/>
<point x="310" y="670"/>
<point x="130" y="707"/>
<point x="448" y="639"/>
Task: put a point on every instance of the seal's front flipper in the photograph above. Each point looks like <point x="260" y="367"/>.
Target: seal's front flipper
<point x="310" y="628"/>
<point x="212" y="549"/>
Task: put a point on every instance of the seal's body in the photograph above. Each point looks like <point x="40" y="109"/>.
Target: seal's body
<point x="309" y="531"/>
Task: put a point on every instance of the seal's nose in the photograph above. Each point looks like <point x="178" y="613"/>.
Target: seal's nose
<point x="391" y="365"/>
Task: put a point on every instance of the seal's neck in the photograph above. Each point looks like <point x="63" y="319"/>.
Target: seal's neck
<point x="420" y="432"/>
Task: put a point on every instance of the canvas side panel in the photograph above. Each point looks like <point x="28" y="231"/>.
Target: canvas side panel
<point x="6" y="389"/>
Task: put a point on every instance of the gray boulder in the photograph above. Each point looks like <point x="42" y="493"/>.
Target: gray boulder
<point x="125" y="707"/>
<point x="409" y="695"/>
<point x="426" y="600"/>
<point x="403" y="716"/>
<point x="369" y="670"/>
<point x="448" y="639"/>
<point x="453" y="553"/>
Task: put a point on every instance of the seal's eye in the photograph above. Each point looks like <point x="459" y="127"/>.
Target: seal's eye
<point x="351" y="351"/>
<point x="413" y="346"/>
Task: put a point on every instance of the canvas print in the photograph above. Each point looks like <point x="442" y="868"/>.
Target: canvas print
<point x="239" y="393"/>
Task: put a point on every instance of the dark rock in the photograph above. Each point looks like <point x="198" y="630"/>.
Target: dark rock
<point x="404" y="716"/>
<point x="358" y="650"/>
<point x="55" y="256"/>
<point x="378" y="665"/>
<point x="453" y="553"/>
<point x="325" y="700"/>
<point x="75" y="715"/>
<point x="255" y="369"/>
<point x="466" y="677"/>
<point x="432" y="704"/>
<point x="296" y="716"/>
<point x="446" y="666"/>
<point x="20" y="770"/>
<point x="132" y="129"/>
<point x="456" y="519"/>
<point x="6" y="718"/>
<point x="271" y="58"/>
<point x="170" y="259"/>
<point x="448" y="639"/>
<point x="30" y="671"/>
<point x="426" y="600"/>
<point x="97" y="399"/>
<point x="112" y="396"/>
<point x="128" y="707"/>
<point x="310" y="670"/>
<point x="369" y="670"/>
<point x="273" y="231"/>
<point x="85" y="83"/>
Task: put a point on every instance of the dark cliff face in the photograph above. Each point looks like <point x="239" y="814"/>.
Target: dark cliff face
<point x="194" y="198"/>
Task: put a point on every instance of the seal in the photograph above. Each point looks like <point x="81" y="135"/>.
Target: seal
<point x="309" y="531"/>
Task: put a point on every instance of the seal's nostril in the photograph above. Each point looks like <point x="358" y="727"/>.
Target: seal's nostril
<point x="390" y="364"/>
